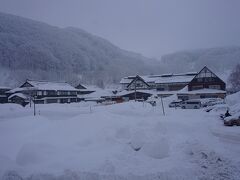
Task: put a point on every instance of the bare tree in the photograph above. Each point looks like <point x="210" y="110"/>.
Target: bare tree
<point x="234" y="79"/>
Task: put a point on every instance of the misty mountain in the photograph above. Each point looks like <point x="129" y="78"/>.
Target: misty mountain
<point x="221" y="60"/>
<point x="35" y="50"/>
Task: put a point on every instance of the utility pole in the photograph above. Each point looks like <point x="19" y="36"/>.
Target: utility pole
<point x="162" y="106"/>
<point x="34" y="106"/>
<point x="30" y="99"/>
<point x="135" y="91"/>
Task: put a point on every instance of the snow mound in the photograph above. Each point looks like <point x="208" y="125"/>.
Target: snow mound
<point x="157" y="150"/>
<point x="108" y="167"/>
<point x="123" y="133"/>
<point x="34" y="153"/>
<point x="137" y="140"/>
<point x="233" y="99"/>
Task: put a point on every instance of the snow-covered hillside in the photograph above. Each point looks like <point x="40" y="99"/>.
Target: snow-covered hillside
<point x="124" y="141"/>
<point x="35" y="50"/>
<point x="220" y="60"/>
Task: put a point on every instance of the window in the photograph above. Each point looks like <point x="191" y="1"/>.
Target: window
<point x="160" y="89"/>
<point x="199" y="79"/>
<point x="39" y="93"/>
<point x="63" y="92"/>
<point x="214" y="87"/>
<point x="73" y="92"/>
<point x="197" y="87"/>
<point x="51" y="93"/>
<point x="51" y="100"/>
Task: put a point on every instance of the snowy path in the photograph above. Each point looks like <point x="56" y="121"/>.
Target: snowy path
<point x="123" y="141"/>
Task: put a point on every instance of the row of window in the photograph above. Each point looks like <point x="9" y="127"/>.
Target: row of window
<point x="210" y="87"/>
<point x="54" y="93"/>
<point x="206" y="79"/>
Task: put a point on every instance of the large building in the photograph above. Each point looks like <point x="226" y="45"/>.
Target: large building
<point x="164" y="82"/>
<point x="43" y="92"/>
<point x="204" y="84"/>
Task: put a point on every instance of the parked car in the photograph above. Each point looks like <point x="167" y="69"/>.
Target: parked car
<point x="175" y="103"/>
<point x="191" y="104"/>
<point x="232" y="120"/>
<point x="220" y="108"/>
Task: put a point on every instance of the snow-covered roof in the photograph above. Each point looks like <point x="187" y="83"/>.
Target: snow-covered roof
<point x="21" y="95"/>
<point x="4" y="87"/>
<point x="125" y="92"/>
<point x="15" y="90"/>
<point x="174" y="79"/>
<point x="97" y="94"/>
<point x="126" y="80"/>
<point x="47" y="85"/>
<point x="163" y="79"/>
<point x="89" y="88"/>
<point x="203" y="91"/>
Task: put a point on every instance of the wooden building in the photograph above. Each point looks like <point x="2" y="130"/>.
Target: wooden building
<point x="44" y="92"/>
<point x="134" y="82"/>
<point x="19" y="98"/>
<point x="206" y="79"/>
<point x="164" y="82"/>
<point x="203" y="84"/>
<point x="3" y="94"/>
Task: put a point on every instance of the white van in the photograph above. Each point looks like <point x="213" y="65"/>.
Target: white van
<point x="191" y="104"/>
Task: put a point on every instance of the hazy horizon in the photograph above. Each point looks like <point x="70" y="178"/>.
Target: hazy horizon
<point x="151" y="28"/>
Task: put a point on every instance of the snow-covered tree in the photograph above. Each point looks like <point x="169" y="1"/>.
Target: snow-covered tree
<point x="234" y="79"/>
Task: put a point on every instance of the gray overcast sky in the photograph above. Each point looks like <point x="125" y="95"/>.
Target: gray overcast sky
<point x="149" y="27"/>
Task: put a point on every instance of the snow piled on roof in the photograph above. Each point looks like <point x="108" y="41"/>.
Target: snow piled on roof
<point x="5" y="87"/>
<point x="125" y="92"/>
<point x="174" y="79"/>
<point x="21" y="95"/>
<point x="47" y="85"/>
<point x="125" y="80"/>
<point x="98" y="94"/>
<point x="163" y="79"/>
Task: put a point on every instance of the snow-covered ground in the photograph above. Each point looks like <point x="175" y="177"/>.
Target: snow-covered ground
<point x="122" y="141"/>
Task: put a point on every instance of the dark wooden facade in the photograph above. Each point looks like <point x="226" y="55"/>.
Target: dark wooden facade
<point x="4" y="95"/>
<point x="44" y="95"/>
<point x="138" y="83"/>
<point x="139" y="96"/>
<point x="19" y="100"/>
<point x="206" y="79"/>
<point x="83" y="90"/>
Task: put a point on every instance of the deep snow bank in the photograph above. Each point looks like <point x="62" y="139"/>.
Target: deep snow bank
<point x="122" y="141"/>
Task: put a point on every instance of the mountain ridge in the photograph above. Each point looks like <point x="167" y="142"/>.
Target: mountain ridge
<point x="35" y="50"/>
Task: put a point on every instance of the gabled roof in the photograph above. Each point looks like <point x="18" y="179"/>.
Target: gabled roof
<point x="47" y="85"/>
<point x="205" y="68"/>
<point x="80" y="86"/>
<point x="138" y="78"/>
